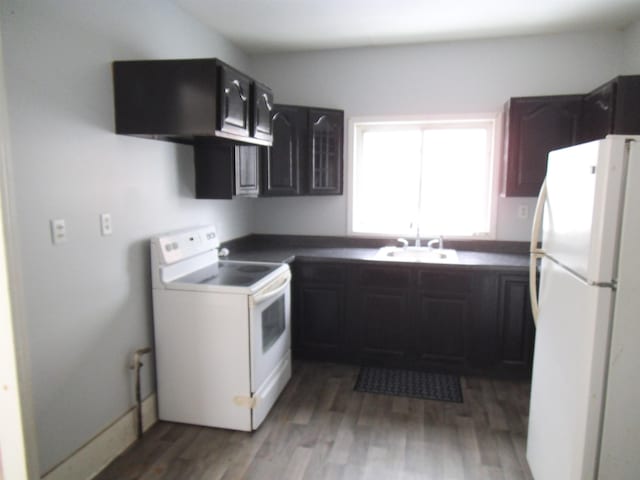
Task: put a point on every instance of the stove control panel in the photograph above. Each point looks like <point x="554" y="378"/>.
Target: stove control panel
<point x="186" y="243"/>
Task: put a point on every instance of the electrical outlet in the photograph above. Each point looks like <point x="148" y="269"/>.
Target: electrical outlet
<point x="58" y="231"/>
<point x="105" y="224"/>
<point x="523" y="211"/>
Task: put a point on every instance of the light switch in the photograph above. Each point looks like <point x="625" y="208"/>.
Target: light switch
<point x="58" y="231"/>
<point x="105" y="224"/>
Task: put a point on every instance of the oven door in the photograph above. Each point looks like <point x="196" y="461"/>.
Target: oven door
<point x="270" y="328"/>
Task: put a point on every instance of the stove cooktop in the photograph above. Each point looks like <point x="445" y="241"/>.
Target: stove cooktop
<point x="230" y="273"/>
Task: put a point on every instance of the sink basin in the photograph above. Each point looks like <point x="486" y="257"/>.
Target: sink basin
<point x="418" y="254"/>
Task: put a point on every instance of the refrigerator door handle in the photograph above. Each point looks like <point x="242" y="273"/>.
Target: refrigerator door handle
<point x="535" y="252"/>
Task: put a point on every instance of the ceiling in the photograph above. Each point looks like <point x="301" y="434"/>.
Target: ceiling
<point x="259" y="26"/>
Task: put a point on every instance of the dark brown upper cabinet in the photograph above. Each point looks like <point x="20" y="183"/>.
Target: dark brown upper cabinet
<point x="281" y="162"/>
<point x="325" y="152"/>
<point x="611" y="108"/>
<point x="224" y="170"/>
<point x="181" y="100"/>
<point x="262" y="123"/>
<point x="247" y="171"/>
<point x="234" y="91"/>
<point x="306" y="156"/>
<point x="534" y="126"/>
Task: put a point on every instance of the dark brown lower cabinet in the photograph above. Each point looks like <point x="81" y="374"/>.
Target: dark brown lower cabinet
<point x="441" y="327"/>
<point x="456" y="320"/>
<point x="322" y="309"/>
<point x="319" y="311"/>
<point x="382" y="318"/>
<point x="381" y="313"/>
<point x="442" y="318"/>
<point x="515" y="324"/>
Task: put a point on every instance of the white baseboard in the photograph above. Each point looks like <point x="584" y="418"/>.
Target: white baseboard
<point x="102" y="449"/>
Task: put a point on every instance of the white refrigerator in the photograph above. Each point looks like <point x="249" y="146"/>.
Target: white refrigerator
<point x="584" y="418"/>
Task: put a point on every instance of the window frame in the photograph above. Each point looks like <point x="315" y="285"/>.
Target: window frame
<point x="494" y="191"/>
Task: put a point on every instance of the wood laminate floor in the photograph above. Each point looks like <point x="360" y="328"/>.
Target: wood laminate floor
<point x="321" y="428"/>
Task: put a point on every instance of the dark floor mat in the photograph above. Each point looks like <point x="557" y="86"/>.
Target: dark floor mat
<point x="409" y="383"/>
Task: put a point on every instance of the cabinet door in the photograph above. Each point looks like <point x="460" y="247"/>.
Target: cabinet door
<point x="325" y="152"/>
<point x="214" y="167"/>
<point x="534" y="127"/>
<point x="442" y="316"/>
<point x="382" y="314"/>
<point x="516" y="329"/>
<point x="612" y="108"/>
<point x="627" y="105"/>
<point x="281" y="161"/>
<point x="319" y="310"/>
<point x="441" y="327"/>
<point x="247" y="171"/>
<point x="597" y="113"/>
<point x="234" y="101"/>
<point x="168" y="99"/>
<point x="262" y="122"/>
<point x="320" y="322"/>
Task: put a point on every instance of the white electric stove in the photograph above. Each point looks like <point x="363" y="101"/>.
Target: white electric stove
<point x="222" y="332"/>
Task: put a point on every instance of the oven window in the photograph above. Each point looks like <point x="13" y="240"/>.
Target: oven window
<point x="272" y="323"/>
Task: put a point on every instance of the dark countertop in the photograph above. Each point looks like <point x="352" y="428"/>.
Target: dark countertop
<point x="287" y="253"/>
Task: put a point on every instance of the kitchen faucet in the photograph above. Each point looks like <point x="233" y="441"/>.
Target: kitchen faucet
<point x="404" y="243"/>
<point x="439" y="241"/>
<point x="418" y="243"/>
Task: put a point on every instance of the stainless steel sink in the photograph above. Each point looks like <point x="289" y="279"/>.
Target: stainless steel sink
<point x="418" y="254"/>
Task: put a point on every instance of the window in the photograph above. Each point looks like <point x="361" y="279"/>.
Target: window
<point x="433" y="175"/>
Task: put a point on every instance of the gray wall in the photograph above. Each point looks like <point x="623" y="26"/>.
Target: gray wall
<point x="631" y="50"/>
<point x="445" y="78"/>
<point x="87" y="302"/>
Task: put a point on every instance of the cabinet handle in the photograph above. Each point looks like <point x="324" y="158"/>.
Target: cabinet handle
<point x="602" y="105"/>
<point x="266" y="101"/>
<point x="240" y="90"/>
<point x="320" y="119"/>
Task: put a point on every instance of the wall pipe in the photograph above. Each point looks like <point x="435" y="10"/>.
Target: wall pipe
<point x="136" y="366"/>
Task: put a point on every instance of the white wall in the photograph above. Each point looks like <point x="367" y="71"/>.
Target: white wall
<point x="631" y="50"/>
<point x="456" y="77"/>
<point x="87" y="303"/>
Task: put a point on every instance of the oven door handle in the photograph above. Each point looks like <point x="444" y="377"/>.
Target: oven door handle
<point x="272" y="290"/>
